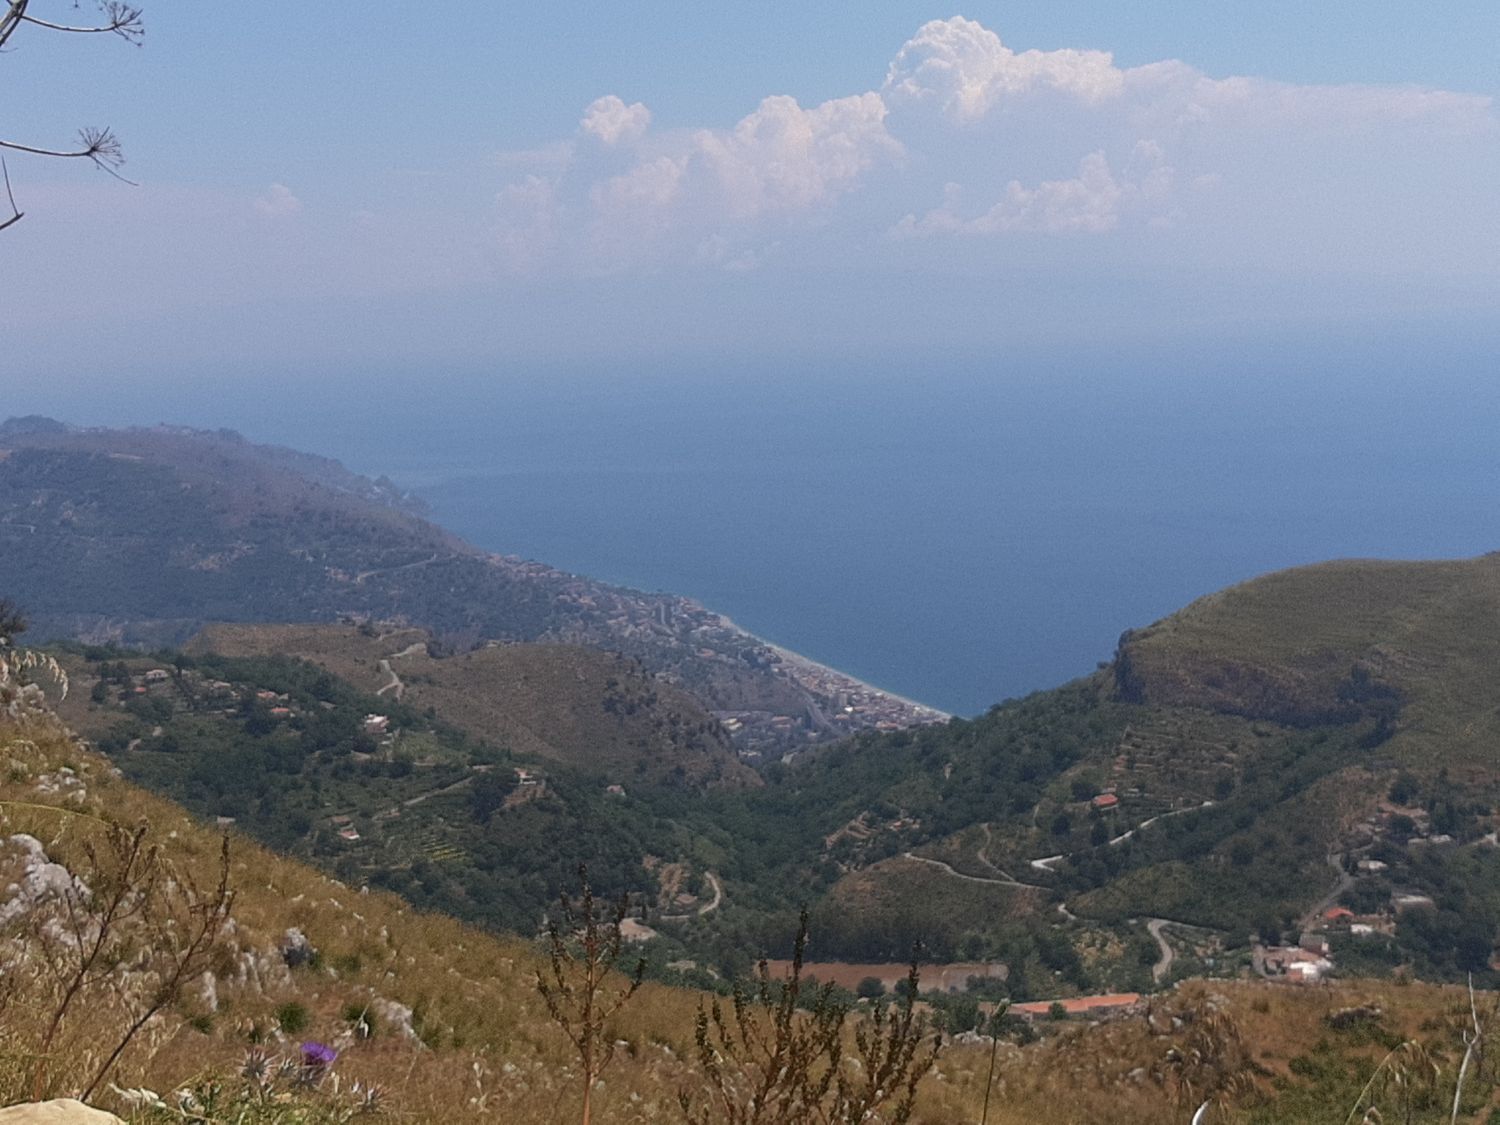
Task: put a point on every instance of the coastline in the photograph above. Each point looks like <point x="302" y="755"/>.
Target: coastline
<point x="808" y="664"/>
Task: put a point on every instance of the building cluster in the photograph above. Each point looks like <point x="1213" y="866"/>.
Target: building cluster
<point x="710" y="647"/>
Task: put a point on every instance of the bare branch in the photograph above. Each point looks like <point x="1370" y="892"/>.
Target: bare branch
<point x="123" y="20"/>
<point x="99" y="146"/>
<point x="15" y="216"/>
<point x="15" y="11"/>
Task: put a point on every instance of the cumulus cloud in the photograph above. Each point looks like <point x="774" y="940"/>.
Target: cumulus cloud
<point x="684" y="190"/>
<point x="786" y="158"/>
<point x="967" y="71"/>
<point x="1057" y="142"/>
<point x="614" y="122"/>
<point x="1088" y="203"/>
<point x="278" y="202"/>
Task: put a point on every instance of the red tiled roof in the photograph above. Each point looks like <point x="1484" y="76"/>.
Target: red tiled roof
<point x="1079" y="1005"/>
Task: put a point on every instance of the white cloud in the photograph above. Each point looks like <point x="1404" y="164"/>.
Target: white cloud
<point x="1058" y="142"/>
<point x="1089" y="202"/>
<point x="966" y="69"/>
<point x="278" y="202"/>
<point x="614" y="122"/>
<point x="684" y="190"/>
<point x="786" y="158"/>
<point x="1093" y="201"/>
<point x="1175" y="92"/>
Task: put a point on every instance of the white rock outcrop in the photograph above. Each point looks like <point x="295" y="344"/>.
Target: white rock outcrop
<point x="61" y="1111"/>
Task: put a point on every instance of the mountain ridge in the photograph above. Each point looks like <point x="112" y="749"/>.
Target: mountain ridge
<point x="143" y="536"/>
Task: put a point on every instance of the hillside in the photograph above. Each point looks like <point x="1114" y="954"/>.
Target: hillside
<point x="594" y="710"/>
<point x="432" y="1021"/>
<point x="1149" y="820"/>
<point x="1326" y="643"/>
<point x="143" y="536"/>
<point x="1316" y="738"/>
<point x="385" y="791"/>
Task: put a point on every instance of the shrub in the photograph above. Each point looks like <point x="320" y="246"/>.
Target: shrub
<point x="292" y="1017"/>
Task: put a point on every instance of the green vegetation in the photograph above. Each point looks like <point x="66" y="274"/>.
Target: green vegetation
<point x="1223" y="821"/>
<point x="1280" y="745"/>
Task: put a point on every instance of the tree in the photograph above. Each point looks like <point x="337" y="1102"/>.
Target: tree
<point x="99" y="146"/>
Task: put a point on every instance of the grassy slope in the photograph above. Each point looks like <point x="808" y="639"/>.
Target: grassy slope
<point x="491" y="1053"/>
<point x="594" y="710"/>
<point x="992" y="794"/>
<point x="1430" y="629"/>
<point x="1266" y="699"/>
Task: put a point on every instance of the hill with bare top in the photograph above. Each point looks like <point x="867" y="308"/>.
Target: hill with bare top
<point x="595" y="710"/>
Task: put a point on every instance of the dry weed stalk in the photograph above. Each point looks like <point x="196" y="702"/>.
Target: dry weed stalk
<point x="18" y="664"/>
<point x="768" y="1062"/>
<point x="577" y="988"/>
<point x="1211" y="1066"/>
<point x="1473" y="1045"/>
<point x="121" y="942"/>
<point x="1409" y="1072"/>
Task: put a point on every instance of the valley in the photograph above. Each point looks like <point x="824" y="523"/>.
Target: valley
<point x="1287" y="782"/>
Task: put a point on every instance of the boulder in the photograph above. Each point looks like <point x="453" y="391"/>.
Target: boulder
<point x="60" y="1111"/>
<point x="296" y="950"/>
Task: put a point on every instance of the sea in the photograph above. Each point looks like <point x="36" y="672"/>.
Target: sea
<point x="972" y="530"/>
<point x="956" y="529"/>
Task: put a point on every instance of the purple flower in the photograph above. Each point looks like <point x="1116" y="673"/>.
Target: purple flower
<point x="318" y="1056"/>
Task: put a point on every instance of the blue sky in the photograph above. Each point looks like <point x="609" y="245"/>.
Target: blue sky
<point x="342" y="188"/>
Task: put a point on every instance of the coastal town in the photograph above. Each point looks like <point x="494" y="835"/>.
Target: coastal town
<point x="803" y="704"/>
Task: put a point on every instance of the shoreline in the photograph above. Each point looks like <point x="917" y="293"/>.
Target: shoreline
<point x="797" y="659"/>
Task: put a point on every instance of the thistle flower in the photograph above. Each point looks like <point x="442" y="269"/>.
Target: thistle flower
<point x="317" y="1059"/>
<point x="318" y="1055"/>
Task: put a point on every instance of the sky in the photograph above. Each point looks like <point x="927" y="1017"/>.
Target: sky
<point x="491" y="186"/>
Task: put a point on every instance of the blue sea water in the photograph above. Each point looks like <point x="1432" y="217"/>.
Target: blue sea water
<point x="956" y="529"/>
<point x="970" y="532"/>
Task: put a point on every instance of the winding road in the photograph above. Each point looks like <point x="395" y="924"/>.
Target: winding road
<point x="1163" y="966"/>
<point x="359" y="579"/>
<point x="1312" y="917"/>
<point x="947" y="869"/>
<point x="396" y="684"/>
<point x="707" y="908"/>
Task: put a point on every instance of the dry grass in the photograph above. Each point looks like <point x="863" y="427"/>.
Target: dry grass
<point x="490" y="1053"/>
<point x="1413" y="624"/>
<point x="593" y="709"/>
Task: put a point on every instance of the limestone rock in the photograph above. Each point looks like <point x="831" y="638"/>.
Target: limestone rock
<point x="40" y="880"/>
<point x="296" y="950"/>
<point x="392" y="1017"/>
<point x="61" y="1111"/>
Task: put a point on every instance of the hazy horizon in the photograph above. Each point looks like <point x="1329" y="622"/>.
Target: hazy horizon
<point x="957" y="534"/>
